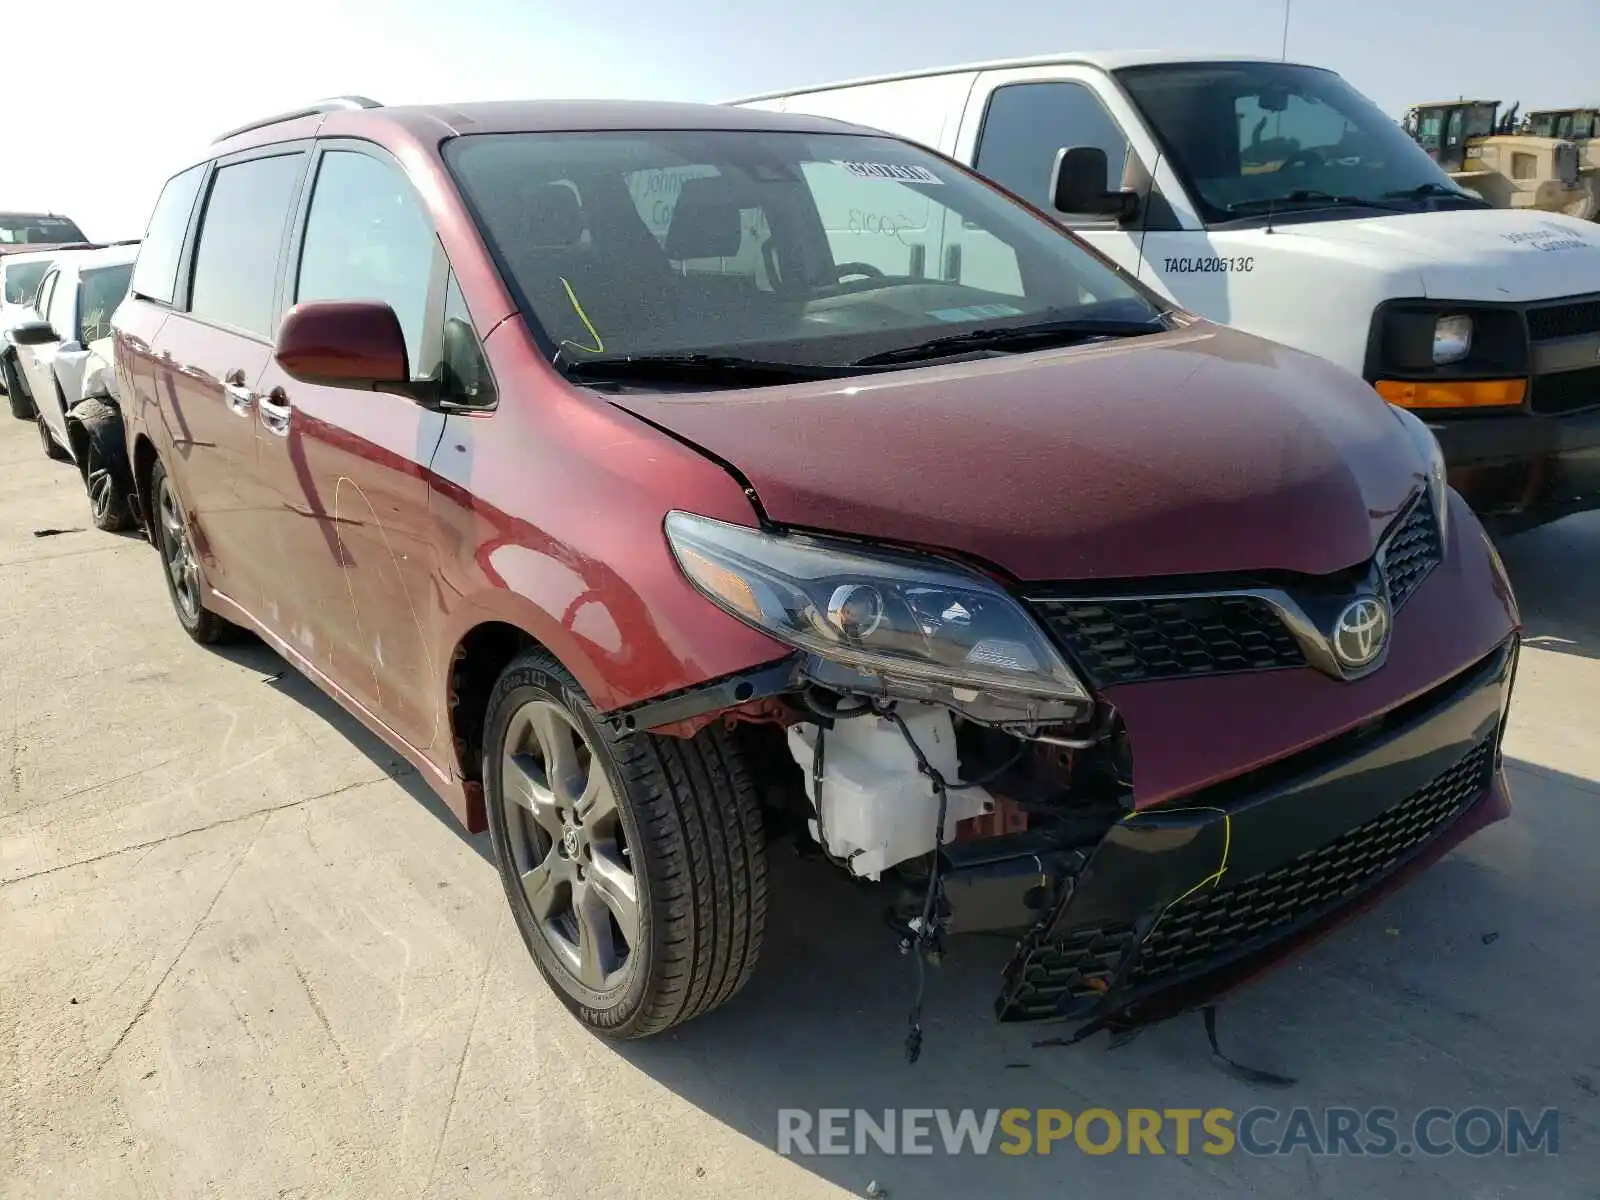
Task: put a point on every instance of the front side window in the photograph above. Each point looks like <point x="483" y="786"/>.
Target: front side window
<point x="463" y="367"/>
<point x="60" y="314"/>
<point x="1027" y="124"/>
<point x="21" y="229"/>
<point x="99" y="293"/>
<point x="236" y="259"/>
<point x="367" y="238"/>
<point x="156" y="275"/>
<point x="1246" y="138"/>
<point x="800" y="248"/>
<point x="22" y="281"/>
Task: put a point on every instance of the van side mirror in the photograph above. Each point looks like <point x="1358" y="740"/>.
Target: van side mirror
<point x="33" y="333"/>
<point x="344" y="343"/>
<point x="1079" y="184"/>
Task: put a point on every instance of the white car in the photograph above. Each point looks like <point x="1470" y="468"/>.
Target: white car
<point x="20" y="274"/>
<point x="64" y="357"/>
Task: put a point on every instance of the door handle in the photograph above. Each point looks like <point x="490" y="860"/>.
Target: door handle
<point x="239" y="398"/>
<point x="275" y="411"/>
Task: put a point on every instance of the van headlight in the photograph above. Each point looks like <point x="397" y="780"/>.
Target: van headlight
<point x="1433" y="459"/>
<point x="898" y="616"/>
<point x="1452" y="339"/>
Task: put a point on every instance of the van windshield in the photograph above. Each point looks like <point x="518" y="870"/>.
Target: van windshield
<point x="790" y="248"/>
<point x="1247" y="138"/>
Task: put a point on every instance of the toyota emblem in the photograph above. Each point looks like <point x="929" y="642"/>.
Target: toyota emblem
<point x="1361" y="632"/>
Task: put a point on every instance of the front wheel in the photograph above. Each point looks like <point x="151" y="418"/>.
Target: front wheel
<point x="634" y="864"/>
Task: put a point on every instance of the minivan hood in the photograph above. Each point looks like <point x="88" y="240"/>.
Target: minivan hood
<point x="1475" y="254"/>
<point x="1200" y="450"/>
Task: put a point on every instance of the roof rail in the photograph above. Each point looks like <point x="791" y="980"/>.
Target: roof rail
<point x="333" y="104"/>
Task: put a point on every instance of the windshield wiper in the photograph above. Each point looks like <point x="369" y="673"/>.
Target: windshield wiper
<point x="1313" y="197"/>
<point x="724" y="368"/>
<point x="1037" y="336"/>
<point x="1430" y="189"/>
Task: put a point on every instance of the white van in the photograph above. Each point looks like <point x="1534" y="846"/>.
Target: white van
<point x="1275" y="197"/>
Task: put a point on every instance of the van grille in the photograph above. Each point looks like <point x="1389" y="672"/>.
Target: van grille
<point x="1136" y="639"/>
<point x="1413" y="549"/>
<point x="1233" y="919"/>
<point x="1564" y="320"/>
<point x="1565" y="391"/>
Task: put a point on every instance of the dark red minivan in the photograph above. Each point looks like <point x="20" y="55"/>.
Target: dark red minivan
<point x="664" y="480"/>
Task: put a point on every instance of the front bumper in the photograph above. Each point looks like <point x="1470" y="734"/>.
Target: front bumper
<point x="1185" y="900"/>
<point x="1524" y="470"/>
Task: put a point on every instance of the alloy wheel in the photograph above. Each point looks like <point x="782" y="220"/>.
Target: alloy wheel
<point x="178" y="551"/>
<point x="568" y="846"/>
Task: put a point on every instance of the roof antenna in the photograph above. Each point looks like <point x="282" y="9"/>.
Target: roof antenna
<point x="1283" y="56"/>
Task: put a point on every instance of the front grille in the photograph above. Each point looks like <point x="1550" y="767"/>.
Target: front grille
<point x="1564" y="320"/>
<point x="1210" y="927"/>
<point x="1414" y="548"/>
<point x="1566" y="391"/>
<point x="1129" y="640"/>
<point x="1074" y="971"/>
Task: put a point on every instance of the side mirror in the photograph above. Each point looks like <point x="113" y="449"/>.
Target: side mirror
<point x="344" y="343"/>
<point x="33" y="333"/>
<point x="1079" y="184"/>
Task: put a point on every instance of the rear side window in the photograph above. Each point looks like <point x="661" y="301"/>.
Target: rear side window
<point x="367" y="238"/>
<point x="1027" y="124"/>
<point x="156" y="275"/>
<point x="236" y="260"/>
<point x="22" y="281"/>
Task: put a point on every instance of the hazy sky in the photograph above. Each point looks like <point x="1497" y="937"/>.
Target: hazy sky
<point x="127" y="88"/>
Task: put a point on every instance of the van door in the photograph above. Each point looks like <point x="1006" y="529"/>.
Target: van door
<point x="348" y="469"/>
<point x="1018" y="120"/>
<point x="211" y="358"/>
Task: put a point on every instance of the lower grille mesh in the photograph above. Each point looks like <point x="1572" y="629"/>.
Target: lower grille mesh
<point x="1228" y="920"/>
<point x="1212" y="927"/>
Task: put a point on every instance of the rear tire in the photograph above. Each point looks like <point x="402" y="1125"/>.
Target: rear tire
<point x="185" y="582"/>
<point x="16" y="393"/>
<point x="652" y="844"/>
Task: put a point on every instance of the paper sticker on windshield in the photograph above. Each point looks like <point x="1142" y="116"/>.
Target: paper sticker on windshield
<point x="898" y="172"/>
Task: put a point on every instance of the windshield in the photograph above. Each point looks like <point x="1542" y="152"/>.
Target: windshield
<point x="1246" y="136"/>
<point x="17" y="229"/>
<point x="100" y="291"/>
<point x="789" y="247"/>
<point x="22" y="280"/>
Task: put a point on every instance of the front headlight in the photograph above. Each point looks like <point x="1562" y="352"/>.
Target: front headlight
<point x="1452" y="339"/>
<point x="882" y="613"/>
<point x="1428" y="448"/>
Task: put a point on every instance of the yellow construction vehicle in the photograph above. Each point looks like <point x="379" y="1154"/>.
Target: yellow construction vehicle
<point x="1508" y="168"/>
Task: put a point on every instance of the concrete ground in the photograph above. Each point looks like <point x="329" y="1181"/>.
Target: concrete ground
<point x="243" y="953"/>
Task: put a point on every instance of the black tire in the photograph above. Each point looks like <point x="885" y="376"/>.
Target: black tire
<point x="48" y="440"/>
<point x="16" y="391"/>
<point x="95" y="429"/>
<point x="686" y="810"/>
<point x="108" y="502"/>
<point x="198" y="621"/>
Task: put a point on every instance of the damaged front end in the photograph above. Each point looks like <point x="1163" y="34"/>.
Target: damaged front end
<point x="939" y="739"/>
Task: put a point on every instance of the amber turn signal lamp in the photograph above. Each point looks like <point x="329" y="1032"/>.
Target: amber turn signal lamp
<point x="1470" y="393"/>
